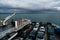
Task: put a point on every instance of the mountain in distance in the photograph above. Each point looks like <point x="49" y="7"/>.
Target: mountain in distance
<point x="22" y="10"/>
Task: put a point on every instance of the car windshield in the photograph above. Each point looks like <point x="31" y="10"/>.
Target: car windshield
<point x="42" y="27"/>
<point x="28" y="39"/>
<point x="32" y="32"/>
<point x="40" y="34"/>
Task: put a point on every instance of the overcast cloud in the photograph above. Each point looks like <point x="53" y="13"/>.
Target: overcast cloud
<point x="31" y="4"/>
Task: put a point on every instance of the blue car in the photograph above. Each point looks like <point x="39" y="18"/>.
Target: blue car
<point x="57" y="31"/>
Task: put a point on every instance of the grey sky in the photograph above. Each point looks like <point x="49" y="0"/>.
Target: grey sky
<point x="31" y="4"/>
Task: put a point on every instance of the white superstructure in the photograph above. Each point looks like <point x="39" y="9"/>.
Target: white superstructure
<point x="18" y="26"/>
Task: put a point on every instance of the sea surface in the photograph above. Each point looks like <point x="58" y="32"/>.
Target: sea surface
<point x="53" y="17"/>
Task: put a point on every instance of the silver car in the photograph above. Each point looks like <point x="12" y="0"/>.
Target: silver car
<point x="42" y="29"/>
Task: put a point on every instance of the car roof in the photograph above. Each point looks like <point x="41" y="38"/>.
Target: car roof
<point x="37" y="23"/>
<point x="33" y="31"/>
<point x="42" y="27"/>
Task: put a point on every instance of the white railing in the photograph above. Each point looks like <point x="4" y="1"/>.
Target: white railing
<point x="12" y="36"/>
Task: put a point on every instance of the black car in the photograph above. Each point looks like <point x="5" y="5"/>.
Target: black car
<point x="33" y="34"/>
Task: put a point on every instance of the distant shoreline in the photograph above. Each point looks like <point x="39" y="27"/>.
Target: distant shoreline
<point x="29" y="13"/>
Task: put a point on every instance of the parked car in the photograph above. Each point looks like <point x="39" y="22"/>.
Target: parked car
<point x="34" y="23"/>
<point x="30" y="28"/>
<point x="50" y="30"/>
<point x="42" y="28"/>
<point x="57" y="31"/>
<point x="35" y="28"/>
<point x="52" y="37"/>
<point x="32" y="33"/>
<point x="39" y="39"/>
<point x="28" y="39"/>
<point x="37" y="24"/>
<point x="26" y="32"/>
<point x="40" y="36"/>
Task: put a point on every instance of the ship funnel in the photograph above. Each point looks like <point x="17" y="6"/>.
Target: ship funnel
<point x="16" y="24"/>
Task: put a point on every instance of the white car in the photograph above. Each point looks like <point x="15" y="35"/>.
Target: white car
<point x="42" y="28"/>
<point x="37" y="25"/>
<point x="35" y="28"/>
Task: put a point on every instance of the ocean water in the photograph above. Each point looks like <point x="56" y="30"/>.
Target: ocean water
<point x="53" y="17"/>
